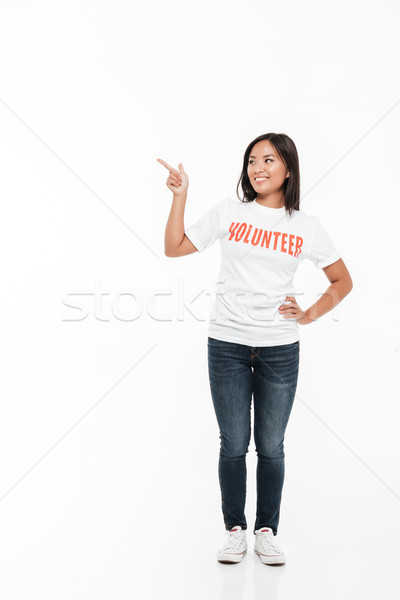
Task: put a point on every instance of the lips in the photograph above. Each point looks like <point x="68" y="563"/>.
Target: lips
<point x="261" y="178"/>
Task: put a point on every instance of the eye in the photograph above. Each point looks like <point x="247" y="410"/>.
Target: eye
<point x="251" y="161"/>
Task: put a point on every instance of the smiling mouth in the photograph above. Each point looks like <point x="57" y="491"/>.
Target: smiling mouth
<point x="261" y="178"/>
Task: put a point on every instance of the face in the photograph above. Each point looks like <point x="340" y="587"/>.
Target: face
<point x="265" y="166"/>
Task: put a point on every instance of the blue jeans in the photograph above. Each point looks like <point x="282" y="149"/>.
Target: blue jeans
<point x="269" y="374"/>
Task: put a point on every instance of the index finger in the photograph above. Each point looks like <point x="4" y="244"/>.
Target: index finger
<point x="167" y="166"/>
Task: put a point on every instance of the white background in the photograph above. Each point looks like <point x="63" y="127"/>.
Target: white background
<point x="109" y="441"/>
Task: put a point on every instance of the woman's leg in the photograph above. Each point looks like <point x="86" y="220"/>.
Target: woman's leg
<point x="275" y="382"/>
<point x="230" y="378"/>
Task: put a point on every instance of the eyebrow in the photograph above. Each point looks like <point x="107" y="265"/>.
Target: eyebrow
<point x="265" y="155"/>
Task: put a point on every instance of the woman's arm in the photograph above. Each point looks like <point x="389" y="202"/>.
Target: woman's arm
<point x="176" y="243"/>
<point x="341" y="285"/>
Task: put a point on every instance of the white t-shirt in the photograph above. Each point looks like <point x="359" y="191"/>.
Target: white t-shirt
<point x="261" y="248"/>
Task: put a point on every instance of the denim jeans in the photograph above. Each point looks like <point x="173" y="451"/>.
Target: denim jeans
<point x="268" y="374"/>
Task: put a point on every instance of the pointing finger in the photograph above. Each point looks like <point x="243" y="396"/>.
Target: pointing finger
<point x="167" y="166"/>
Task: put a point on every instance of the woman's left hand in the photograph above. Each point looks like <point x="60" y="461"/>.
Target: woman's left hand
<point x="293" y="311"/>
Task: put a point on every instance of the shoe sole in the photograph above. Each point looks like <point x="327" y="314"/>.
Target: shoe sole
<point x="227" y="557"/>
<point x="271" y="560"/>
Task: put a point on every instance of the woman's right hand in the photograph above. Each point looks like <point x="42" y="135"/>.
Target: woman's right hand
<point x="178" y="181"/>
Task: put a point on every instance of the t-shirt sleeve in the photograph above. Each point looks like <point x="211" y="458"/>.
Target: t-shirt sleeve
<point x="206" y="230"/>
<point x="322" y="250"/>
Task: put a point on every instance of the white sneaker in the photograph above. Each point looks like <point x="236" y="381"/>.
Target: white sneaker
<point x="235" y="546"/>
<point x="267" y="549"/>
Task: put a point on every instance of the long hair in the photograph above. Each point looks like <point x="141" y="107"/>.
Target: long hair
<point x="287" y="152"/>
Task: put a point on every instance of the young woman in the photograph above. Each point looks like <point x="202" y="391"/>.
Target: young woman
<point x="253" y="335"/>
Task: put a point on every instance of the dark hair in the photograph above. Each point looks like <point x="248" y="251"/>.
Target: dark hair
<point x="287" y="152"/>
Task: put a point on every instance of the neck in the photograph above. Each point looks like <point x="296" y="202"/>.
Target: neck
<point x="274" y="200"/>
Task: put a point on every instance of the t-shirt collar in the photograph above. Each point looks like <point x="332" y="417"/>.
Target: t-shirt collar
<point x="267" y="210"/>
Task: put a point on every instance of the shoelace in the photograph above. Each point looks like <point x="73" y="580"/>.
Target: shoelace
<point x="267" y="543"/>
<point x="233" y="539"/>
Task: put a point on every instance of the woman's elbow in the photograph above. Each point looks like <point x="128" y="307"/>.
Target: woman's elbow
<point x="169" y="253"/>
<point x="349" y="284"/>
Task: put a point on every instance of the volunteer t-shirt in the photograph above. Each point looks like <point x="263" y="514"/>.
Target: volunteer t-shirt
<point x="261" y="249"/>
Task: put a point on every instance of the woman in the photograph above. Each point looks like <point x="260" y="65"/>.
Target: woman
<point x="253" y="336"/>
